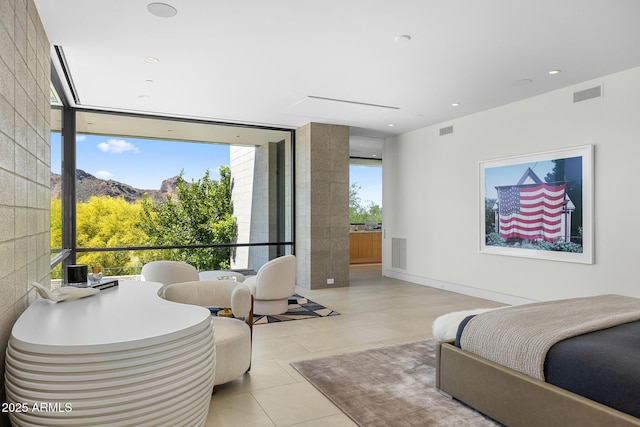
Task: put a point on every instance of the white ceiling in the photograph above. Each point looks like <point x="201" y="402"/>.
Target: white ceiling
<point x="288" y="62"/>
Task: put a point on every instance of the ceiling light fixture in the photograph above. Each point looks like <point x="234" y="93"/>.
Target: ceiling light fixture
<point x="554" y="72"/>
<point x="151" y="59"/>
<point x="402" y="38"/>
<point x="162" y="10"/>
<point x="455" y="104"/>
<point x="522" y="82"/>
<point x="391" y="125"/>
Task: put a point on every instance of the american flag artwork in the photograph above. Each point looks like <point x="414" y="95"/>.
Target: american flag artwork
<point x="531" y="211"/>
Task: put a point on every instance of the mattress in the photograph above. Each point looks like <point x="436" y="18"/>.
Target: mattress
<point x="603" y="366"/>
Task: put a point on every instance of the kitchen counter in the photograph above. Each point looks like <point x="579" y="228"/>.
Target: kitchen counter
<point x="365" y="246"/>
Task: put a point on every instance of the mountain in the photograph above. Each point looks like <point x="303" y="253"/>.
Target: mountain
<point x="88" y="185"/>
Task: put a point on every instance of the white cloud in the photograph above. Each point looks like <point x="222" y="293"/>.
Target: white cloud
<point x="117" y="146"/>
<point x="104" y="174"/>
<point x="80" y="138"/>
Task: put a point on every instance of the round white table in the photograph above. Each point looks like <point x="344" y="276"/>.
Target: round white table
<point x="122" y="357"/>
<point x="221" y="274"/>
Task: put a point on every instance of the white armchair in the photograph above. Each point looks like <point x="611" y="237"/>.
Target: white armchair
<point x="168" y="272"/>
<point x="232" y="337"/>
<point x="273" y="285"/>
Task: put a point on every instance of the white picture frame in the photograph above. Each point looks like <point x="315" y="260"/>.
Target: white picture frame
<point x="549" y="217"/>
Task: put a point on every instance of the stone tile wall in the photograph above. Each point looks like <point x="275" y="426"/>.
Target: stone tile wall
<point x="24" y="162"/>
<point x="322" y="205"/>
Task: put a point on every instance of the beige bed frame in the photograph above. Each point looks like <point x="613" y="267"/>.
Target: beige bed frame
<point x="515" y="399"/>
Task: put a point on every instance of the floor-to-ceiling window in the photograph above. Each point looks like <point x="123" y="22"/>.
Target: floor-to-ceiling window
<point x="144" y="188"/>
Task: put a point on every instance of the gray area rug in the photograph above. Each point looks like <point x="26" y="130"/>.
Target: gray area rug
<point x="389" y="386"/>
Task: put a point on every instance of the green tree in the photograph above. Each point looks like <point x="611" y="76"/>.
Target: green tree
<point x="56" y="224"/>
<point x="569" y="172"/>
<point x="360" y="212"/>
<point x="105" y="222"/>
<point x="199" y="213"/>
<point x="489" y="216"/>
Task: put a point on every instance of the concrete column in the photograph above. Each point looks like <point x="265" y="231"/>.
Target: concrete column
<point x="322" y="205"/>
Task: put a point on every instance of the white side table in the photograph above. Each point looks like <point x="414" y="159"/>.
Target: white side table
<point x="123" y="357"/>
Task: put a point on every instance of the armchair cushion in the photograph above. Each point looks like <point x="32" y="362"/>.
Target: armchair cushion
<point x="167" y="273"/>
<point x="232" y="337"/>
<point x="212" y="293"/>
<point x="273" y="285"/>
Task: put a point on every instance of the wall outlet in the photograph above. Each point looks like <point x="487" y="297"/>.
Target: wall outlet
<point x="329" y="281"/>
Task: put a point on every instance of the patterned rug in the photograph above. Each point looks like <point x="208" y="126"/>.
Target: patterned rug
<point x="299" y="308"/>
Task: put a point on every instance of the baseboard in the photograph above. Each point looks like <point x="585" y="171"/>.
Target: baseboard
<point x="459" y="289"/>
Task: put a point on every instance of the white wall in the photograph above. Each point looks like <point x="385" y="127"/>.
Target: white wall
<point x="431" y="194"/>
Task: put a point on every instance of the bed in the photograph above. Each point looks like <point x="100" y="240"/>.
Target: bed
<point x="501" y="389"/>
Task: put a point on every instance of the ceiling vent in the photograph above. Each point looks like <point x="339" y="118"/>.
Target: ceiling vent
<point x="337" y="109"/>
<point x="583" y="95"/>
<point x="447" y="130"/>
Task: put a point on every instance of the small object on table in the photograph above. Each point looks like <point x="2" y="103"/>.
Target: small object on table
<point x="77" y="275"/>
<point x="104" y="284"/>
<point x="96" y="275"/>
<point x="225" y="312"/>
<point x="65" y="293"/>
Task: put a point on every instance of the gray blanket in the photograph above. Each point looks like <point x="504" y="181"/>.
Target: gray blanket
<point x="519" y="337"/>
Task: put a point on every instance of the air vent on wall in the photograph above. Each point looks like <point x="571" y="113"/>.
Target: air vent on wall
<point x="399" y="253"/>
<point x="447" y="130"/>
<point x="583" y="95"/>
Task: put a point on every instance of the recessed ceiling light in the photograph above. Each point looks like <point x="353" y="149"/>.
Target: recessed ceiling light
<point x="455" y="104"/>
<point x="402" y="38"/>
<point x="149" y="81"/>
<point x="151" y="59"/>
<point x="391" y="125"/>
<point x="374" y="155"/>
<point x="554" y="72"/>
<point x="162" y="10"/>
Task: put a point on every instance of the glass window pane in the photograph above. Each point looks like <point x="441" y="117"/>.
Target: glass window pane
<point x="365" y="195"/>
<point x="144" y="182"/>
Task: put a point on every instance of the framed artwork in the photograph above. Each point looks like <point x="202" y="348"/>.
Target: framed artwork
<point x="538" y="205"/>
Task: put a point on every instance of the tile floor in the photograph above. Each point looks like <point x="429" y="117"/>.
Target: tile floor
<point x="374" y="311"/>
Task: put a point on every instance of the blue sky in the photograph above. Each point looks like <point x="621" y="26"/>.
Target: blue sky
<point x="369" y="178"/>
<point x="144" y="163"/>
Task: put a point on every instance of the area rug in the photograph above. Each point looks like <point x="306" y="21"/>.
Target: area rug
<point x="389" y="386"/>
<point x="299" y="308"/>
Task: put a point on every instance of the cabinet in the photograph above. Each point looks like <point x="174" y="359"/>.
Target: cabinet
<point x="365" y="247"/>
